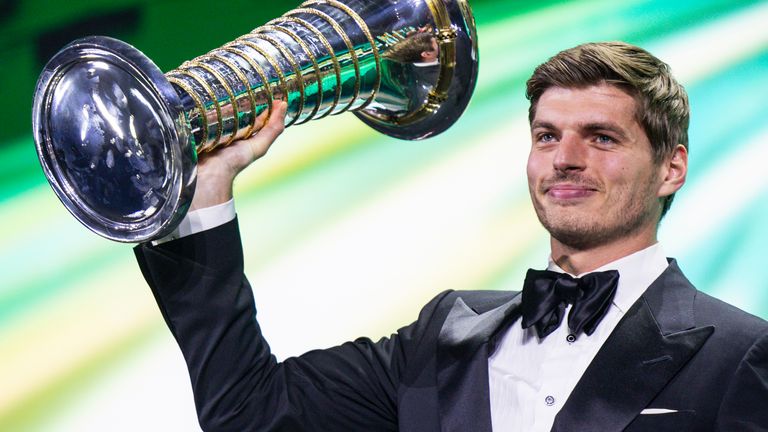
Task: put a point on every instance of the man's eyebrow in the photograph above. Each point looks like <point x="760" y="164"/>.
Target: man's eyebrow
<point x="538" y="124"/>
<point x="590" y="127"/>
<point x="600" y="126"/>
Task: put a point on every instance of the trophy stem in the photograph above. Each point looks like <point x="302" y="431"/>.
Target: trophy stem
<point x="322" y="59"/>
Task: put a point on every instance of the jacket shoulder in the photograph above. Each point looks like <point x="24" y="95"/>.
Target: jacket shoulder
<point x="709" y="310"/>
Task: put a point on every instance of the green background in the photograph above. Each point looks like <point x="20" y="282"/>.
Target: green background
<point x="347" y="232"/>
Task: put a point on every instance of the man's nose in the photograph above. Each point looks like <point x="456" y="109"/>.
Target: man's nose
<point x="570" y="154"/>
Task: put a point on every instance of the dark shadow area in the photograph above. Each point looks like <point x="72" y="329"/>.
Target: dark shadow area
<point x="8" y="9"/>
<point x="118" y="24"/>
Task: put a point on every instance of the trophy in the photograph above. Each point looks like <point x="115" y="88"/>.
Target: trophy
<point x="118" y="140"/>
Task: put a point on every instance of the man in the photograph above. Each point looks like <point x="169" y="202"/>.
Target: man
<point x="624" y="342"/>
<point x="417" y="47"/>
<point x="410" y="70"/>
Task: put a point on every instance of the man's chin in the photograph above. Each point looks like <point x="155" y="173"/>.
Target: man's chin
<point x="568" y="216"/>
<point x="580" y="240"/>
<point x="576" y="232"/>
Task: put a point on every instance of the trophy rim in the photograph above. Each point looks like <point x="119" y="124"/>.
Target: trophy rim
<point x="432" y="121"/>
<point x="177" y="137"/>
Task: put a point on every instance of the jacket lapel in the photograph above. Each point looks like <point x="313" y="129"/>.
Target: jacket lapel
<point x="653" y="341"/>
<point x="462" y="364"/>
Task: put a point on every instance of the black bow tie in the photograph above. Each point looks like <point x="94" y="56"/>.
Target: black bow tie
<point x="546" y="294"/>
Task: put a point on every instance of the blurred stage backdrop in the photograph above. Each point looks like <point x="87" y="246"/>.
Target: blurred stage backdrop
<point x="348" y="232"/>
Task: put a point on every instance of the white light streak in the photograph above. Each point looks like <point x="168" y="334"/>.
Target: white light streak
<point x="717" y="196"/>
<point x="113" y="123"/>
<point x="705" y="50"/>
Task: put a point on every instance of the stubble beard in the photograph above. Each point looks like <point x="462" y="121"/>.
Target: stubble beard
<point x="581" y="230"/>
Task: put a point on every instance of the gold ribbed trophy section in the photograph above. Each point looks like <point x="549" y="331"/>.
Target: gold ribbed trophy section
<point x="323" y="58"/>
<point x="347" y="55"/>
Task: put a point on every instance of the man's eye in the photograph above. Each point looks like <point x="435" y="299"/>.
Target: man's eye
<point x="546" y="137"/>
<point x="604" y="139"/>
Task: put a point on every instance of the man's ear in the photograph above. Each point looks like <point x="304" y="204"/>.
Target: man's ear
<point x="674" y="169"/>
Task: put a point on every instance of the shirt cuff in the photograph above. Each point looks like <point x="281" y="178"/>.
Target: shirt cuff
<point x="201" y="220"/>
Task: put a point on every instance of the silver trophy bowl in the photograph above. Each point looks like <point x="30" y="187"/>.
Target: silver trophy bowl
<point x="118" y="139"/>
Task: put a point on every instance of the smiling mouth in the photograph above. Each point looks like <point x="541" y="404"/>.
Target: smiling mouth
<point x="569" y="191"/>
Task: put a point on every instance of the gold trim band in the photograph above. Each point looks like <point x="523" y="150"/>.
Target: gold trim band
<point x="202" y="63"/>
<point x="185" y="69"/>
<point x="364" y="28"/>
<point x="315" y="66"/>
<point x="244" y="80"/>
<point x="198" y="103"/>
<point x="350" y="48"/>
<point x="323" y="40"/>
<point x="268" y="57"/>
<point x="258" y="70"/>
<point x="298" y="76"/>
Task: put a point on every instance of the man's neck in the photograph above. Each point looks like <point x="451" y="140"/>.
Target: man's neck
<point x="578" y="261"/>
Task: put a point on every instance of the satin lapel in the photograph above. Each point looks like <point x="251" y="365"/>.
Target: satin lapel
<point x="653" y="341"/>
<point x="462" y="361"/>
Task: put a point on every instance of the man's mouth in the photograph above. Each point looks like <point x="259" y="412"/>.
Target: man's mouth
<point x="569" y="191"/>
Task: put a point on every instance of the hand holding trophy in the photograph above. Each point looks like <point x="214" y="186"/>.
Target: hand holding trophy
<point x="118" y="140"/>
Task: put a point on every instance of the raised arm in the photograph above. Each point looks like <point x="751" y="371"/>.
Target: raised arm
<point x="238" y="385"/>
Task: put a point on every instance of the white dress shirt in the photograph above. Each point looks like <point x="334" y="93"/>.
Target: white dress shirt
<point x="200" y="220"/>
<point x="530" y="379"/>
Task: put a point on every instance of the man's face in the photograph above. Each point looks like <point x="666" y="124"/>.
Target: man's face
<point x="591" y="173"/>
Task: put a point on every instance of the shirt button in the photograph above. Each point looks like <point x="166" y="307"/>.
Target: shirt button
<point x="571" y="338"/>
<point x="549" y="400"/>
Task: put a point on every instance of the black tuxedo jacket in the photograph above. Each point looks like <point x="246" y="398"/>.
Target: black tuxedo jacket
<point x="675" y="349"/>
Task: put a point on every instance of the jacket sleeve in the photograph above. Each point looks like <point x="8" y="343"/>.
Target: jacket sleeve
<point x="238" y="385"/>
<point x="745" y="403"/>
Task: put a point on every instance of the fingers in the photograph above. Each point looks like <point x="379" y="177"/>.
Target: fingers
<point x="260" y="143"/>
<point x="217" y="170"/>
